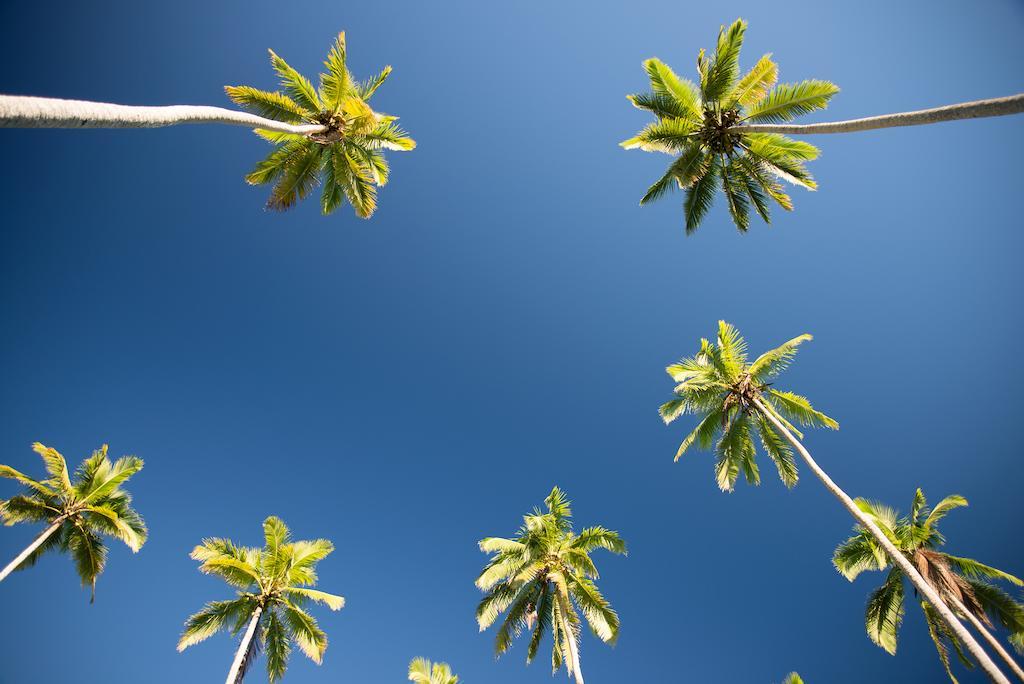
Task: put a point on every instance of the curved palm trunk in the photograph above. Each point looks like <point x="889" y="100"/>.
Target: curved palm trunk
<point x="243" y="648"/>
<point x="897" y="558"/>
<point x="987" y="635"/>
<point x="999" y="106"/>
<point x="36" y="543"/>
<point x="573" y="650"/>
<point x="18" y="111"/>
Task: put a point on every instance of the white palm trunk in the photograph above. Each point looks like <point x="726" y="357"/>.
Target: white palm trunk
<point x="999" y="106"/>
<point x="987" y="636"/>
<point x="897" y="558"/>
<point x="18" y="111"/>
<point x="574" y="653"/>
<point x="36" y="543"/>
<point x="243" y="648"/>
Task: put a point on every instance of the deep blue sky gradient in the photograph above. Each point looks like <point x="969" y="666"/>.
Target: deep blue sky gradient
<point x="409" y="385"/>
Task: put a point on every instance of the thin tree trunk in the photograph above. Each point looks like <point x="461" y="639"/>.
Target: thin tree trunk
<point x="573" y="652"/>
<point x="987" y="635"/>
<point x="18" y="111"/>
<point x="36" y="543"/>
<point x="999" y="106"/>
<point x="243" y="648"/>
<point x="897" y="558"/>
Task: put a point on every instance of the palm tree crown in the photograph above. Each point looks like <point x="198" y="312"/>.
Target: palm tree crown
<point x="422" y="671"/>
<point x="79" y="508"/>
<point x="703" y="126"/>
<point x="719" y="385"/>
<point x="275" y="581"/>
<point x="958" y="580"/>
<point x="346" y="156"/>
<point x="541" y="577"/>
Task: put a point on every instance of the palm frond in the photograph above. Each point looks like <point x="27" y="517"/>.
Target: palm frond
<point x="365" y="89"/>
<point x="787" y="101"/>
<point x="884" y="612"/>
<point x="756" y="83"/>
<point x="700" y="195"/>
<point x="214" y="616"/>
<point x="725" y="67"/>
<point x="665" y="83"/>
<point x="335" y="82"/>
<point x="297" y="86"/>
<point x="270" y="105"/>
<point x="297" y="179"/>
<point x="689" y="167"/>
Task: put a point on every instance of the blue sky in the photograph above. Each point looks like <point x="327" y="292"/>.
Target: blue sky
<point x="409" y="385"/>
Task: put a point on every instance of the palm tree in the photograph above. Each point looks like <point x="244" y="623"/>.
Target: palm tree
<point x="793" y="678"/>
<point x="728" y="131"/>
<point x="737" y="399"/>
<point x="346" y="156"/>
<point x="961" y="582"/>
<point x="273" y="586"/>
<point x="327" y="134"/>
<point x="422" y="671"/>
<point x="544" y="577"/>
<point x="78" y="511"/>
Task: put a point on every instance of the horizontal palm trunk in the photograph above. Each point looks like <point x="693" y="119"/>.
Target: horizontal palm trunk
<point x="36" y="543"/>
<point x="243" y="648"/>
<point x="897" y="558"/>
<point x="999" y="106"/>
<point x="987" y="636"/>
<point x="18" y="111"/>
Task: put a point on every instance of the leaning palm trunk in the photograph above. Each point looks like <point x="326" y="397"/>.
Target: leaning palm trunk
<point x="999" y="106"/>
<point x="243" y="648"/>
<point x="898" y="559"/>
<point x="18" y="111"/>
<point x="987" y="635"/>
<point x="36" y="543"/>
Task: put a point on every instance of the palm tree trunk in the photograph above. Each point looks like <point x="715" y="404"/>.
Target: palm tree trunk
<point x="243" y="648"/>
<point x="999" y="106"/>
<point x="18" y="111"/>
<point x="573" y="651"/>
<point x="36" y="543"/>
<point x="987" y="635"/>
<point x="897" y="558"/>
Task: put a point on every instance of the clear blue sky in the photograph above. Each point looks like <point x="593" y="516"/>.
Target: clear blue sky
<point x="409" y="385"/>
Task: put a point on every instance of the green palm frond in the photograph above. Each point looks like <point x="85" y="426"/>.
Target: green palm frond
<point x="270" y="105"/>
<point x="885" y="612"/>
<point x="276" y="578"/>
<point x="541" y="578"/>
<point x="941" y="634"/>
<point x="345" y="156"/>
<point x="706" y="122"/>
<point x="787" y="101"/>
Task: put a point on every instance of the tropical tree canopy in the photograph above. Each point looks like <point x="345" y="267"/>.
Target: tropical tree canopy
<point x="86" y="506"/>
<point x="347" y="157"/>
<point x="543" y="578"/>
<point x="702" y="126"/>
<point x="958" y="580"/>
<point x="276" y="579"/>
<point x="422" y="671"/>
<point x="723" y="389"/>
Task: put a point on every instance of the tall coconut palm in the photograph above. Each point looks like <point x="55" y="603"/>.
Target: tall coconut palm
<point x="274" y="587"/>
<point x="737" y="401"/>
<point x="961" y="582"/>
<point x="726" y="131"/>
<point x="542" y="579"/>
<point x="346" y="156"/>
<point x="327" y="135"/>
<point x="78" y="510"/>
<point x="422" y="671"/>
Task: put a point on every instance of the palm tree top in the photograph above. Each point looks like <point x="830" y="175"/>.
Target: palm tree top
<point x="277" y="579"/>
<point x="86" y="505"/>
<point x="541" y="576"/>
<point x="346" y="156"/>
<point x="422" y="671"/>
<point x="701" y="124"/>
<point x="957" y="579"/>
<point x="727" y="392"/>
